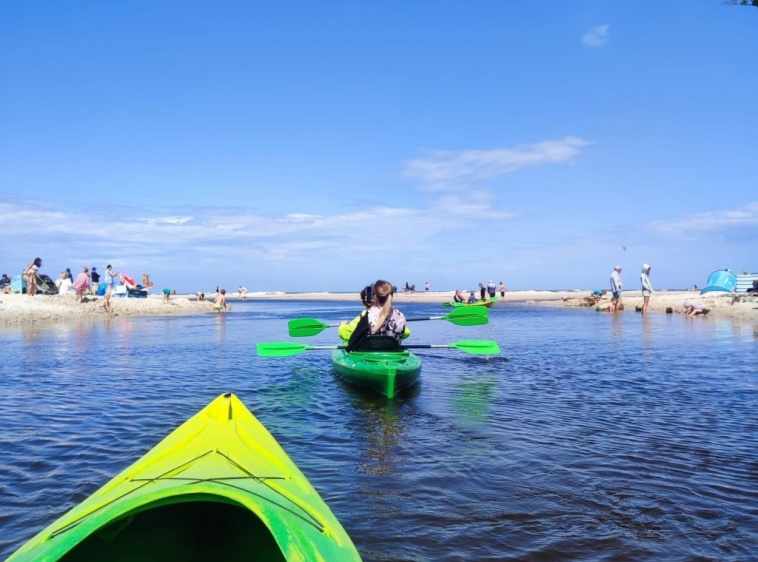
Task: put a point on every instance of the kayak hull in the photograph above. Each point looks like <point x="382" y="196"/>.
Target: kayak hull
<point x="219" y="487"/>
<point x="385" y="372"/>
<point x="486" y="304"/>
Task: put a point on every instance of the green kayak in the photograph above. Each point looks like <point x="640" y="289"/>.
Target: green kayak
<point x="385" y="372"/>
<point x="219" y="487"/>
<point x="487" y="304"/>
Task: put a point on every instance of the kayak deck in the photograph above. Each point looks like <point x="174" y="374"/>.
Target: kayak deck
<point x="385" y="372"/>
<point x="219" y="487"/>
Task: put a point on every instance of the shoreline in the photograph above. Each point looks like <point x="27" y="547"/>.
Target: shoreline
<point x="24" y="310"/>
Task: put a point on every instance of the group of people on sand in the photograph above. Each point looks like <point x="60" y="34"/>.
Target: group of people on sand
<point x="616" y="304"/>
<point x="87" y="282"/>
<point x="490" y="290"/>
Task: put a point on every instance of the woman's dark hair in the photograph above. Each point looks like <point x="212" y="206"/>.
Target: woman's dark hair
<point x="367" y="295"/>
<point x="38" y="261"/>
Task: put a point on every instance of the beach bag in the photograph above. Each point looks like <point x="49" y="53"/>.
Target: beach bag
<point x="101" y="289"/>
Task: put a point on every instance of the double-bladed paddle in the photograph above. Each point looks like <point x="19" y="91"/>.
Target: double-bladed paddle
<point x="475" y="316"/>
<point x="288" y="349"/>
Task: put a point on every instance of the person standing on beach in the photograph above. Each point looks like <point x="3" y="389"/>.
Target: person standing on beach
<point x="482" y="292"/>
<point x="502" y="290"/>
<point x="81" y="284"/>
<point x="426" y="287"/>
<point x="491" y="289"/>
<point x="95" y="277"/>
<point x="647" y="288"/>
<point x="219" y="305"/>
<point x="110" y="281"/>
<point x="242" y="291"/>
<point x="31" y="274"/>
<point x="616" y="287"/>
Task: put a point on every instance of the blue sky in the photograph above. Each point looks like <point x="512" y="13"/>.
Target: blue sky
<point x="318" y="146"/>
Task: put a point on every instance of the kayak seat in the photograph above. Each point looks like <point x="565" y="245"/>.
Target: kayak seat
<point x="192" y="531"/>
<point x="379" y="343"/>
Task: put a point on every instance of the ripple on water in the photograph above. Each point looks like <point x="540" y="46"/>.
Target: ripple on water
<point x="591" y="437"/>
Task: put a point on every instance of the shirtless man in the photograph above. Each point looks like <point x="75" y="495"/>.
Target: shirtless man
<point x="219" y="305"/>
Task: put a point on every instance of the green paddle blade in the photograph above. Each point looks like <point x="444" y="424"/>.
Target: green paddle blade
<point x="302" y="327"/>
<point x="474" y="316"/>
<point x="477" y="347"/>
<point x="281" y="349"/>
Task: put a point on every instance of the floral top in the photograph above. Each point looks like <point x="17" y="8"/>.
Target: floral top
<point x="394" y="325"/>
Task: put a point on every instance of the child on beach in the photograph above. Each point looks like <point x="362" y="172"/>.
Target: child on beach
<point x="693" y="309"/>
<point x="64" y="284"/>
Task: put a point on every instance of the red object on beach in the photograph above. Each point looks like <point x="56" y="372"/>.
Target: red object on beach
<point x="128" y="281"/>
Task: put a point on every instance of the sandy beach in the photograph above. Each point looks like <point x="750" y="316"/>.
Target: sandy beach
<point x="22" y="309"/>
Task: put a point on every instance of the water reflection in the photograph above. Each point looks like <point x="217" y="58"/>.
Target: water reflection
<point x="474" y="400"/>
<point x="583" y="437"/>
<point x="382" y="425"/>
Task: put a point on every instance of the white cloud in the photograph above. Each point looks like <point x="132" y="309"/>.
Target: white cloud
<point x="444" y="169"/>
<point x="168" y="220"/>
<point x="597" y="36"/>
<point x="122" y="235"/>
<point x="707" y="223"/>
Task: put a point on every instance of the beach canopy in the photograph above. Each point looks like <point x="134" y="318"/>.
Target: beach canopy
<point x="722" y="280"/>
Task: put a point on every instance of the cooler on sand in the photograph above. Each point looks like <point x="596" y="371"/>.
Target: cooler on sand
<point x="18" y="284"/>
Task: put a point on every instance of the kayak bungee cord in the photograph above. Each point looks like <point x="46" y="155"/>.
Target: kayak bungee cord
<point x="306" y="516"/>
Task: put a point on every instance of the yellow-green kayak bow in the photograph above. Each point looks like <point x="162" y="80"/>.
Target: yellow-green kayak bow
<point x="219" y="487"/>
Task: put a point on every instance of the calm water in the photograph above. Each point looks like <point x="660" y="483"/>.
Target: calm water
<point x="592" y="437"/>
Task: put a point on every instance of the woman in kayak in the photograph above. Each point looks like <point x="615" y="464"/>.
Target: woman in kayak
<point x="458" y="297"/>
<point x="380" y="319"/>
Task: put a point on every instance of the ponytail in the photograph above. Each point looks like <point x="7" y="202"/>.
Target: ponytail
<point x="383" y="295"/>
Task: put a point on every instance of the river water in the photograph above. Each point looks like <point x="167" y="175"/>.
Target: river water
<point x="591" y="437"/>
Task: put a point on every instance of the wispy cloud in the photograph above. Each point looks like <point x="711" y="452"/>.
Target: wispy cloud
<point x="168" y="220"/>
<point x="597" y="36"/>
<point x="708" y="223"/>
<point x="129" y="236"/>
<point x="444" y="169"/>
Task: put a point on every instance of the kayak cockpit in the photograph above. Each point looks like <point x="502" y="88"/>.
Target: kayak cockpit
<point x="191" y="531"/>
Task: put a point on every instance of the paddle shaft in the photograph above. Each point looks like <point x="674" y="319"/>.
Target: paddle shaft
<point x="288" y="349"/>
<point x="303" y="327"/>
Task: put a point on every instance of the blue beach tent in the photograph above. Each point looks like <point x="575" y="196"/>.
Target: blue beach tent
<point x="721" y="280"/>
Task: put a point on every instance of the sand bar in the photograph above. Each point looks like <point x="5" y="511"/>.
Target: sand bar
<point x="23" y="309"/>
